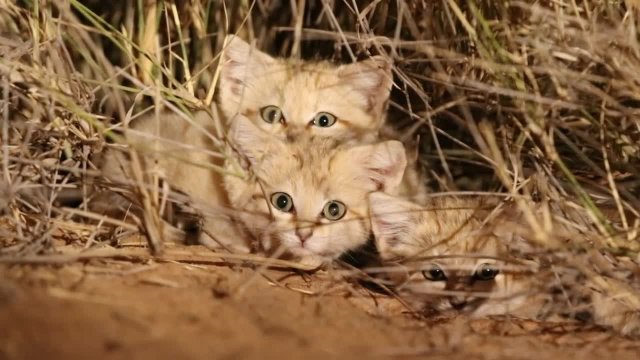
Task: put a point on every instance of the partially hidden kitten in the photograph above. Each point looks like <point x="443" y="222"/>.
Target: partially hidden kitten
<point x="311" y="191"/>
<point x="287" y="97"/>
<point x="462" y="255"/>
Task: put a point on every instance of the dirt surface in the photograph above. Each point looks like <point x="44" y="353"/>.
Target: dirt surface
<point x="123" y="309"/>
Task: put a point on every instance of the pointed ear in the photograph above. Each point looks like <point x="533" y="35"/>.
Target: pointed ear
<point x="371" y="78"/>
<point x="379" y="166"/>
<point x="241" y="63"/>
<point x="392" y="222"/>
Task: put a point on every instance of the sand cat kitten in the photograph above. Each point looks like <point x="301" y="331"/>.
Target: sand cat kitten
<point x="313" y="190"/>
<point x="287" y="97"/>
<point x="456" y="262"/>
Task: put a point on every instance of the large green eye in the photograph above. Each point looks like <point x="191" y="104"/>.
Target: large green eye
<point x="334" y="210"/>
<point x="324" y="119"/>
<point x="271" y="114"/>
<point x="282" y="201"/>
<point x="486" y="272"/>
<point x="434" y="274"/>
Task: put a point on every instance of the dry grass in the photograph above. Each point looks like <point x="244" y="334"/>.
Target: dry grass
<point x="540" y="101"/>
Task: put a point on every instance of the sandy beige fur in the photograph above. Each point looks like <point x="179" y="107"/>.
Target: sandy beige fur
<point x="462" y="235"/>
<point x="183" y="154"/>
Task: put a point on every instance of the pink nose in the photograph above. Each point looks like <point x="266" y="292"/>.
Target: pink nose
<point x="304" y="233"/>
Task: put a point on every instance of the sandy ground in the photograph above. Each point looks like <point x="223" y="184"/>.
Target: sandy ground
<point x="124" y="309"/>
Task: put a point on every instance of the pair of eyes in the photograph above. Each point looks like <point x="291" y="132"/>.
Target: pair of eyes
<point x="333" y="210"/>
<point x="272" y="114"/>
<point x="485" y="272"/>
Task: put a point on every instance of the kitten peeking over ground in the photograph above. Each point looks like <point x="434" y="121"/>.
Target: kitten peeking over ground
<point x="286" y="97"/>
<point x="451" y="256"/>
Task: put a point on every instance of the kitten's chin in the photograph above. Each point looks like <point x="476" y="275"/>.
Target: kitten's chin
<point x="301" y="252"/>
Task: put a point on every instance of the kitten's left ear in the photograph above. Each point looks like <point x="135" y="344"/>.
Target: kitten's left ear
<point x="371" y="78"/>
<point x="241" y="64"/>
<point x="380" y="166"/>
<point x="392" y="221"/>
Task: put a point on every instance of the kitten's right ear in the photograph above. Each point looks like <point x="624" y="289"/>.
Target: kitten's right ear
<point x="372" y="79"/>
<point x="380" y="167"/>
<point x="392" y="222"/>
<point x="241" y="63"/>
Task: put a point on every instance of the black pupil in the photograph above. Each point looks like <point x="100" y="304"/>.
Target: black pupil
<point x="272" y="115"/>
<point x="488" y="273"/>
<point x="323" y="120"/>
<point x="282" y="202"/>
<point x="334" y="209"/>
<point x="436" y="273"/>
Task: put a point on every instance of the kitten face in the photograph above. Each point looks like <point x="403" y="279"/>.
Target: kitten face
<point x="287" y="97"/>
<point x="458" y="284"/>
<point x="314" y="189"/>
<point x="454" y="261"/>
